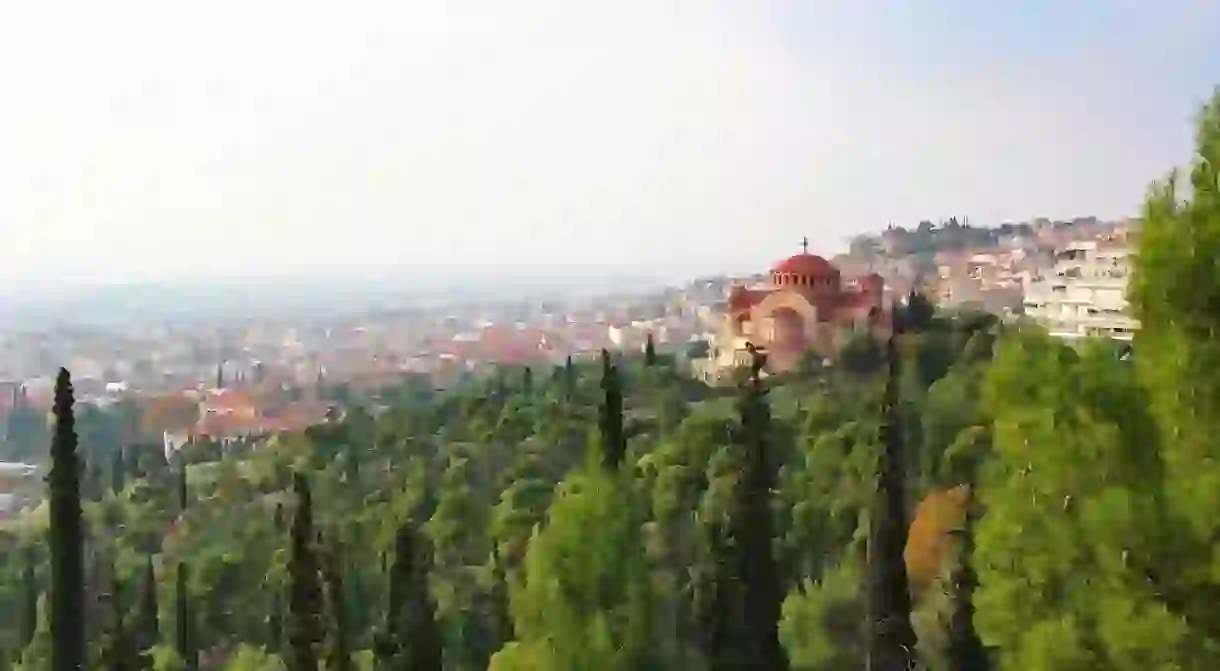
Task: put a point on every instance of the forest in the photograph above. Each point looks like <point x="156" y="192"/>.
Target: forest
<point x="964" y="495"/>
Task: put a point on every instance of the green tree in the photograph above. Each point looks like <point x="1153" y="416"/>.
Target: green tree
<point x="185" y="644"/>
<point x="119" y="651"/>
<point x="862" y="355"/>
<point x="498" y="598"/>
<point x="275" y="618"/>
<point x="248" y="658"/>
<point x="715" y="596"/>
<point x="36" y="655"/>
<point x="147" y="632"/>
<point x="918" y="313"/>
<point x="118" y="474"/>
<point x="752" y="531"/>
<point x="31" y="595"/>
<point x="965" y="650"/>
<point x="411" y="638"/>
<point x="824" y="620"/>
<point x="650" y="352"/>
<point x="338" y="649"/>
<point x="891" y="638"/>
<point x="181" y="482"/>
<point x="613" y="439"/>
<point x="569" y="378"/>
<point x="67" y="536"/>
<point x="1175" y="294"/>
<point x="305" y="632"/>
<point x="584" y="600"/>
<point x="1073" y="519"/>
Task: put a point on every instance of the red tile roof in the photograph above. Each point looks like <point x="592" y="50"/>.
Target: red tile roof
<point x="806" y="265"/>
<point x="741" y="298"/>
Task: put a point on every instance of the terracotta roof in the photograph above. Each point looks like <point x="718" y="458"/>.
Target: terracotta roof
<point x="741" y="298"/>
<point x="229" y="399"/>
<point x="806" y="265"/>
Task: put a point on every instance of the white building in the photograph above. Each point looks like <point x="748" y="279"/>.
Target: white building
<point x="1084" y="293"/>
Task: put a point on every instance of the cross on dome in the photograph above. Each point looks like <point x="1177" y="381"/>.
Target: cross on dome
<point x="805" y="245"/>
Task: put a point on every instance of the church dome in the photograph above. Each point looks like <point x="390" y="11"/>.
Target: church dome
<point x="805" y="265"/>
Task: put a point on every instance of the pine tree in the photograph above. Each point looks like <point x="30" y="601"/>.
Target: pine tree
<point x="966" y="651"/>
<point x="412" y="638"/>
<point x="751" y="528"/>
<point x="890" y="640"/>
<point x="29" y="606"/>
<point x="650" y="352"/>
<point x="613" y="440"/>
<point x="67" y="536"/>
<point x="148" y="632"/>
<point x="305" y="631"/>
<point x="338" y="650"/>
<point x="184" y="625"/>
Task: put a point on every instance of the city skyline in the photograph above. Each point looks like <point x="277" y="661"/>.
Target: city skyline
<point x="541" y="140"/>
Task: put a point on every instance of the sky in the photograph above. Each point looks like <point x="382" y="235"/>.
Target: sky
<point x="487" y="140"/>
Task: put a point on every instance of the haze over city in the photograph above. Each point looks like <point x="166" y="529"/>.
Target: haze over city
<point x="679" y="335"/>
<point x="545" y="138"/>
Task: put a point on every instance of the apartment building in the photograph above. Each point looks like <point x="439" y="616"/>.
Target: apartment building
<point x="1084" y="292"/>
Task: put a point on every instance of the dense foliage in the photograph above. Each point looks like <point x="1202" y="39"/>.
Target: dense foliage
<point x="984" y="494"/>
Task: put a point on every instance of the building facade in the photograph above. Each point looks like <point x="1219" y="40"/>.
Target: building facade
<point x="805" y="306"/>
<point x="1084" y="293"/>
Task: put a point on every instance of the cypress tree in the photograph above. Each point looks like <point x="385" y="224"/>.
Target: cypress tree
<point x="714" y="599"/>
<point x="148" y="632"/>
<point x="613" y="440"/>
<point x="751" y="525"/>
<point x="118" y="654"/>
<point x="502" y="621"/>
<point x="304" y="587"/>
<point x="184" y="626"/>
<point x="499" y="388"/>
<point x="569" y="378"/>
<point x="412" y="637"/>
<point x="275" y="620"/>
<point x="67" y="536"/>
<point x="30" y="594"/>
<point x="92" y="486"/>
<point x="890" y="638"/>
<point x="527" y="381"/>
<point x="965" y="650"/>
<point x="117" y="472"/>
<point x="338" y="652"/>
<point x="650" y="352"/>
<point x="182" y="490"/>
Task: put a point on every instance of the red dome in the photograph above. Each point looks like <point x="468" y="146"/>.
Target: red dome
<point x="805" y="265"/>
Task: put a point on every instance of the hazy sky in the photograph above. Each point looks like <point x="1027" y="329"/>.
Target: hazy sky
<point x="511" y="137"/>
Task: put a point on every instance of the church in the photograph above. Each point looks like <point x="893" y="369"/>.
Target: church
<point x="805" y="306"/>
